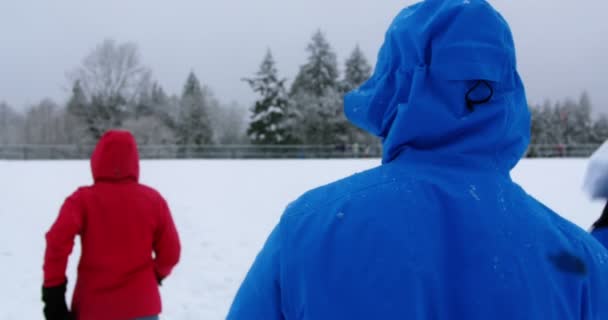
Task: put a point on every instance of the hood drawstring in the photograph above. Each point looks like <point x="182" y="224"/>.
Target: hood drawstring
<point x="471" y="103"/>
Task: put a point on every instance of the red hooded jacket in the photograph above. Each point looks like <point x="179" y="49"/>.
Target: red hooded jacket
<point x="127" y="234"/>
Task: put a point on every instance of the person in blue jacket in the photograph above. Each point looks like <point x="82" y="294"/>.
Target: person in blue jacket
<point x="600" y="228"/>
<point x="439" y="230"/>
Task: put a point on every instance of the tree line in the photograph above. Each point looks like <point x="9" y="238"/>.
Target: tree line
<point x="112" y="88"/>
<point x="568" y="122"/>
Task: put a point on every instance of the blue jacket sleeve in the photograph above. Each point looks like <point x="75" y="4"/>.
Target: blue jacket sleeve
<point x="260" y="294"/>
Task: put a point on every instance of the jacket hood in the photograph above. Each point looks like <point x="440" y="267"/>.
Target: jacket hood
<point x="115" y="157"/>
<point x="436" y="54"/>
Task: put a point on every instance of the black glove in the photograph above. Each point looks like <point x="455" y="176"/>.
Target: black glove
<point x="55" y="307"/>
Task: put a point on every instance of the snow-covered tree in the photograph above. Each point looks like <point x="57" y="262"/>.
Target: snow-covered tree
<point x="158" y="98"/>
<point x="152" y="100"/>
<point x="230" y="124"/>
<point x="78" y="103"/>
<point x="568" y="122"/>
<point x="76" y="122"/>
<point x="320" y="72"/>
<point x="317" y="107"/>
<point x="555" y="119"/>
<point x="194" y="127"/>
<point x="575" y="120"/>
<point x="269" y="114"/>
<point x="149" y="130"/>
<point x="105" y="114"/>
<point x="152" y="122"/>
<point x="112" y="70"/>
<point x="536" y="125"/>
<point x="582" y="120"/>
<point x="112" y="80"/>
<point x="44" y="124"/>
<point x="543" y="124"/>
<point x="10" y="125"/>
<point x="357" y="70"/>
<point x="600" y="130"/>
<point x="320" y="119"/>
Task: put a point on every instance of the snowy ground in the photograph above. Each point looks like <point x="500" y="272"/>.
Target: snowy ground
<point x="224" y="211"/>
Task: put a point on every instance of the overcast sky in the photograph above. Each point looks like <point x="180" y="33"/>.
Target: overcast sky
<point x="562" y="45"/>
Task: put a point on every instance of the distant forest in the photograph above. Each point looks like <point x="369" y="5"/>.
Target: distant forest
<point x="112" y="88"/>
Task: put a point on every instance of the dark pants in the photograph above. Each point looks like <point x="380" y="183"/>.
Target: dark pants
<point x="148" y="318"/>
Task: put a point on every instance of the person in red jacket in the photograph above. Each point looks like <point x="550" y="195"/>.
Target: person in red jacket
<point x="128" y="238"/>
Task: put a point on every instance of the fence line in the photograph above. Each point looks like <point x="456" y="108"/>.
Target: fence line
<point x="561" y="150"/>
<point x="49" y="152"/>
<point x="45" y="152"/>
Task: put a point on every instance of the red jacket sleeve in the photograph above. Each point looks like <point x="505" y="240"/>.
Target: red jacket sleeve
<point x="166" y="243"/>
<point x="60" y="241"/>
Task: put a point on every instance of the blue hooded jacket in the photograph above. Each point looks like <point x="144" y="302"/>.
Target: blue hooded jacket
<point x="439" y="230"/>
<point x="601" y="235"/>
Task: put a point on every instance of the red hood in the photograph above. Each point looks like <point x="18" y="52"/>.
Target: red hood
<point x="115" y="158"/>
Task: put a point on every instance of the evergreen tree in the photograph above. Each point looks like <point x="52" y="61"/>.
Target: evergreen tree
<point x="565" y="123"/>
<point x="536" y="125"/>
<point x="194" y="127"/>
<point x="541" y="129"/>
<point x="575" y="119"/>
<point x="545" y="124"/>
<point x="317" y="109"/>
<point x="77" y="105"/>
<point x="105" y="114"/>
<point x="324" y="122"/>
<point x="582" y="122"/>
<point x="540" y="126"/>
<point x="164" y="108"/>
<point x="78" y="118"/>
<point x="357" y="70"/>
<point x="97" y="114"/>
<point x="558" y="120"/>
<point x="600" y="130"/>
<point x="269" y="114"/>
<point x="151" y="101"/>
<point x="567" y="112"/>
<point x="158" y="97"/>
<point x="320" y="72"/>
<point x="152" y="122"/>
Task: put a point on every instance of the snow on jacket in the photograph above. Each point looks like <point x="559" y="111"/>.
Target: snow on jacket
<point x="121" y="224"/>
<point x="439" y="230"/>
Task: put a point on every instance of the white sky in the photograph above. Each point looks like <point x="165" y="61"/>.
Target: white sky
<point x="562" y="45"/>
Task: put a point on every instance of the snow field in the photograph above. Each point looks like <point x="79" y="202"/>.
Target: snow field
<point x="224" y="209"/>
